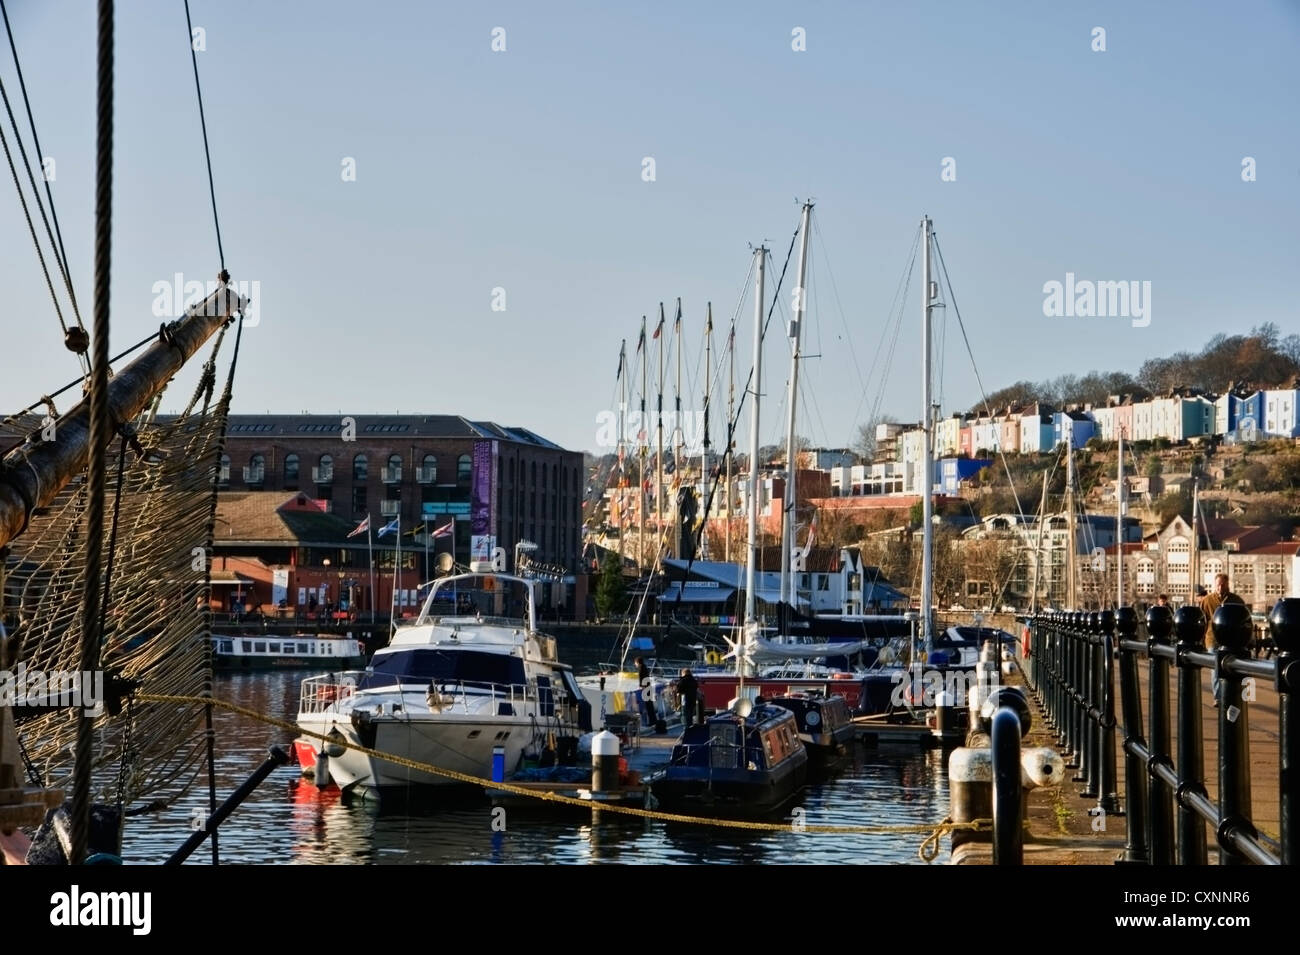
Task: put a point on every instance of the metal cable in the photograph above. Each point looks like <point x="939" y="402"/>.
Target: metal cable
<point x="207" y="155"/>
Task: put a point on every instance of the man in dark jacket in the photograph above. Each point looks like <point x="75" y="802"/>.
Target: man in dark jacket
<point x="689" y="691"/>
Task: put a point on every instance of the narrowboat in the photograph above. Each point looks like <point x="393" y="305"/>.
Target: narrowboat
<point x="297" y="651"/>
<point x="746" y="761"/>
<point x="825" y="727"/>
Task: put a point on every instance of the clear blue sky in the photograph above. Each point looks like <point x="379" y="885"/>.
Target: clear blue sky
<point x="522" y="170"/>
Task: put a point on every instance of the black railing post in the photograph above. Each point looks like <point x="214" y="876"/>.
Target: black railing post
<point x="1135" y="784"/>
<point x="1232" y="632"/>
<point x="1108" y="789"/>
<point x="1189" y="627"/>
<point x="1073" y="682"/>
<point x="1090" y="627"/>
<point x="1160" y="624"/>
<point x="1284" y="622"/>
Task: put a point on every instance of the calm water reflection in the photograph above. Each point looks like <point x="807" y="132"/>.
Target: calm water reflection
<point x="287" y="820"/>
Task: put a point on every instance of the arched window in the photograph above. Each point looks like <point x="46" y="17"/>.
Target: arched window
<point x="255" y="473"/>
<point x="360" y="469"/>
<point x="430" y="469"/>
<point x="464" y="469"/>
<point x="394" y="467"/>
<point x="325" y="470"/>
<point x="290" y="467"/>
<point x="223" y="473"/>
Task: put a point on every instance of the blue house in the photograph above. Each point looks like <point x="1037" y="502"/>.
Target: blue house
<point x="1077" y="427"/>
<point x="949" y="473"/>
<point x="1245" y="418"/>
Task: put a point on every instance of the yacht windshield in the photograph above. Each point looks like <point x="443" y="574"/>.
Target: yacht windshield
<point x="482" y="595"/>
<point x="466" y="667"/>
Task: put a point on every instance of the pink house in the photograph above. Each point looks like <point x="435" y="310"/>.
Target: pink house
<point x="967" y="441"/>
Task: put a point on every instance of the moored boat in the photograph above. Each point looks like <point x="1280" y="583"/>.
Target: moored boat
<point x="297" y="651"/>
<point x="746" y="761"/>
<point x="825" y="727"/>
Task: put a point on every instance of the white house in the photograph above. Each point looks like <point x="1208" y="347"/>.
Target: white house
<point x="1280" y="412"/>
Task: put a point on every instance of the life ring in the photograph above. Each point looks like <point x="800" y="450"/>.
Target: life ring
<point x="713" y="657"/>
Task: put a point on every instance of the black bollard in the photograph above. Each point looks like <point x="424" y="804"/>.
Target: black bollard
<point x="1107" y="775"/>
<point x="1232" y="632"/>
<point x="1135" y="785"/>
<point x="1160" y="624"/>
<point x="1189" y="627"/>
<point x="1008" y="835"/>
<point x="1284" y="622"/>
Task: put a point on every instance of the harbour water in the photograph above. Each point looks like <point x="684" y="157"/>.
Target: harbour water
<point x="287" y="820"/>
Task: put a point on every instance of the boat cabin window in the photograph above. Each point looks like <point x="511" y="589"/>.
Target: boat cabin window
<point x="469" y="667"/>
<point x="303" y="648"/>
<point x="275" y="648"/>
<point x="259" y="647"/>
<point x="223" y="646"/>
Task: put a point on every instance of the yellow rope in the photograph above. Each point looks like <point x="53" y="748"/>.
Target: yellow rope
<point x="929" y="848"/>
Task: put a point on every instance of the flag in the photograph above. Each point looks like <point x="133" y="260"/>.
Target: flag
<point x="640" y="342"/>
<point x="658" y="328"/>
<point x="361" y="528"/>
<point x="812" y="531"/>
<point x="392" y="525"/>
<point x="445" y="530"/>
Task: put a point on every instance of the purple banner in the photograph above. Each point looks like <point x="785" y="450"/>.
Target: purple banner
<point x="480" y="507"/>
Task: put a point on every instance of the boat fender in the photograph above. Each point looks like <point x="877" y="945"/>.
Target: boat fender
<point x="713" y="657"/>
<point x="813" y="718"/>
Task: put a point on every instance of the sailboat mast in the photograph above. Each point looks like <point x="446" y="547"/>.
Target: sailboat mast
<point x="1071" y="534"/>
<point x="622" y="453"/>
<point x="641" y="441"/>
<point x="677" y="425"/>
<point x="1196" y="538"/>
<point x="659" y="442"/>
<point x="1119" y="527"/>
<point x="751" y="566"/>
<point x="731" y="443"/>
<point x="1038" y="548"/>
<point x="705" y="472"/>
<point x="927" y="455"/>
<point x="788" y="591"/>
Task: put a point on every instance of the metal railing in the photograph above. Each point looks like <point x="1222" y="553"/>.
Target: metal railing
<point x="1167" y="801"/>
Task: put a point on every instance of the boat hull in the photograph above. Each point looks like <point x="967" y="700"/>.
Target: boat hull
<point x="458" y="745"/>
<point x="730" y="792"/>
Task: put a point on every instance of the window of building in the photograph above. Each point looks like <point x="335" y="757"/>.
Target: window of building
<point x="291" y="469"/>
<point x="360" y="469"/>
<point x="359" y="499"/>
<point x="325" y="469"/>
<point x="394" y="467"/>
<point x="256" y="469"/>
<point x="1273" y="588"/>
<point x="430" y="469"/>
<point x="223" y="473"/>
<point x="464" y="469"/>
<point x="1273" y="568"/>
<point x="1245" y="584"/>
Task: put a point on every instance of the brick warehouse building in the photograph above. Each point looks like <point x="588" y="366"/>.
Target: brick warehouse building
<point x="494" y="486"/>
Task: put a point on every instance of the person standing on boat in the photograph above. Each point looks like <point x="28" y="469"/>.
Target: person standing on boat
<point x="647" y="693"/>
<point x="688" y="692"/>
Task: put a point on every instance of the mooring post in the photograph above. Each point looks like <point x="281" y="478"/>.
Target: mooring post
<point x="1107" y="778"/>
<point x="1008" y="824"/>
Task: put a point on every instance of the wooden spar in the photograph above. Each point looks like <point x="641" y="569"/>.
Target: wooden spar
<point x="32" y="475"/>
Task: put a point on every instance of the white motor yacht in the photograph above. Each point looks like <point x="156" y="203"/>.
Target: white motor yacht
<point x="472" y="692"/>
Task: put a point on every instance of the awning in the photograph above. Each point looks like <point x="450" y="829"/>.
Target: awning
<point x="228" y="578"/>
<point x="697" y="595"/>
